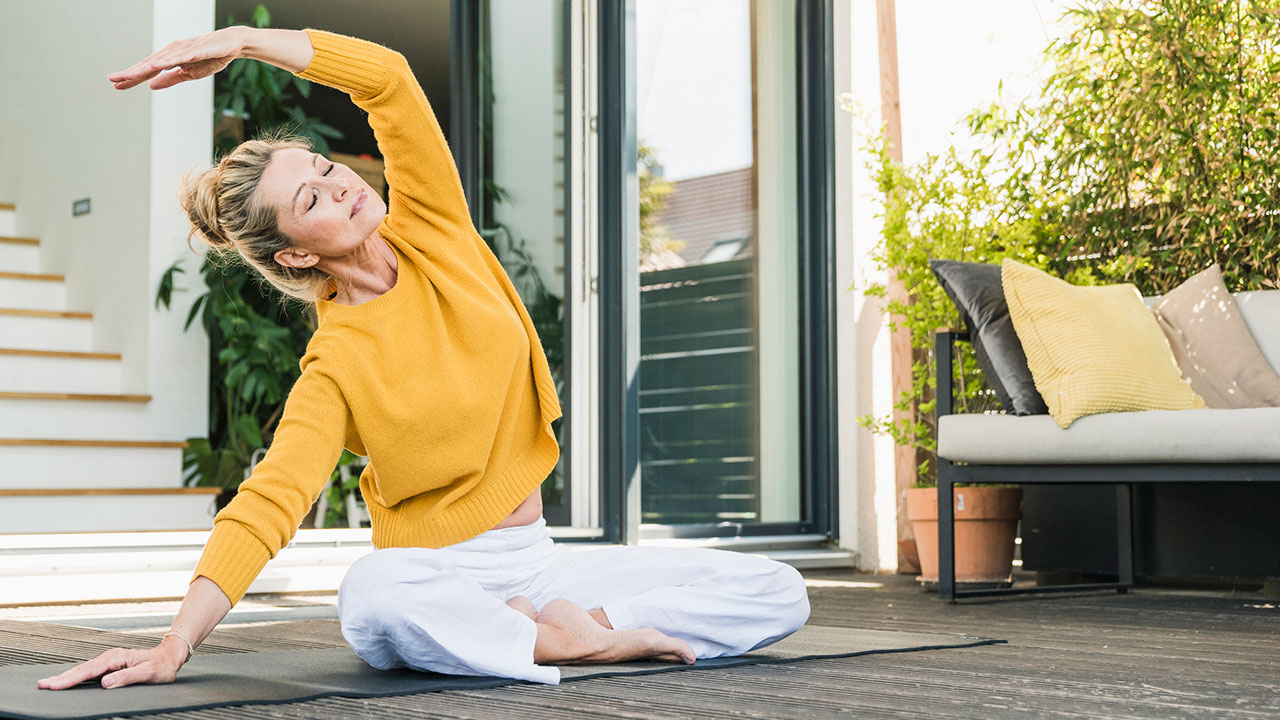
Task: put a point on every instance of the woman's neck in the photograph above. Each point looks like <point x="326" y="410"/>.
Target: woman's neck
<point x="365" y="273"/>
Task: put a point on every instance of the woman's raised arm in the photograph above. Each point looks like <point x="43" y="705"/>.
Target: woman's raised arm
<point x="204" y="55"/>
<point x="419" y="165"/>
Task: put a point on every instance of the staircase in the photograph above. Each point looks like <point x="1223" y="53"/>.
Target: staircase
<point x="63" y="466"/>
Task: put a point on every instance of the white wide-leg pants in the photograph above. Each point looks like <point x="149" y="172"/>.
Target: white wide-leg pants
<point x="444" y="610"/>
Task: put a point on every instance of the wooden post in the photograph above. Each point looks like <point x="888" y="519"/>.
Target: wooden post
<point x="890" y="108"/>
<point x="900" y="352"/>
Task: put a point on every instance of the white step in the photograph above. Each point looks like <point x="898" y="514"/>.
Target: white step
<point x="45" y="373"/>
<point x="157" y="510"/>
<point x="59" y="467"/>
<point x="112" y="566"/>
<point x="33" y="293"/>
<point x="7" y="219"/>
<point x="73" y="419"/>
<point x="19" y="257"/>
<point x="45" y="333"/>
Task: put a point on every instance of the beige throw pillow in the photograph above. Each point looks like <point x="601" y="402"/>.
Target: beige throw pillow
<point x="1213" y="346"/>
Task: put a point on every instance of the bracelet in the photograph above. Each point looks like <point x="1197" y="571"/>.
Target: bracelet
<point x="191" y="650"/>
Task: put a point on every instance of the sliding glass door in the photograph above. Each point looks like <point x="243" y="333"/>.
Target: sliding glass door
<point x="654" y="175"/>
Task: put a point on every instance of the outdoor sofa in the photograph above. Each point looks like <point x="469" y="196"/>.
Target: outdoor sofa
<point x="1118" y="448"/>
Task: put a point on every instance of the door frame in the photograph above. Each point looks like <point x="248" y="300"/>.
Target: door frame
<point x="615" y="283"/>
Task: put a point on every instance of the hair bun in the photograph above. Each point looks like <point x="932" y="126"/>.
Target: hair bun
<point x="199" y="197"/>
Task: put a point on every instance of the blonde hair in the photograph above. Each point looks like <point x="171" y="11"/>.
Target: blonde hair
<point x="227" y="212"/>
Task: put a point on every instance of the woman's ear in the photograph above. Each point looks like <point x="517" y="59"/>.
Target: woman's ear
<point x="294" y="258"/>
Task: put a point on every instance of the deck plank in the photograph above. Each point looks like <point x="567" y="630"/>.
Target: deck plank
<point x="1148" y="654"/>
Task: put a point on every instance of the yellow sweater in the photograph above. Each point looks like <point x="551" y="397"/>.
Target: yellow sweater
<point x="441" y="381"/>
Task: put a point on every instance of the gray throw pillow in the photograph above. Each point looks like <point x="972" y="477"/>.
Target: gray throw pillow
<point x="978" y="294"/>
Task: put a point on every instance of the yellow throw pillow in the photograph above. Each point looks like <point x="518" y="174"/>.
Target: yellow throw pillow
<point x="1092" y="349"/>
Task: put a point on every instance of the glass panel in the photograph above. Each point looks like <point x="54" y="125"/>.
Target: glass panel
<point x="719" y="296"/>
<point x="521" y="208"/>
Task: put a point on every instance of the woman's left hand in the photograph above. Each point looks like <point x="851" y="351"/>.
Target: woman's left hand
<point x="183" y="60"/>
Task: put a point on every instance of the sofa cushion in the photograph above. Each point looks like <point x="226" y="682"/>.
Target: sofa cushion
<point x="1213" y="346"/>
<point x="1154" y="436"/>
<point x="1092" y="349"/>
<point x="976" y="290"/>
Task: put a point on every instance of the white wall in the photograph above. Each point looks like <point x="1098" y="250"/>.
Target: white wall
<point x="952" y="57"/>
<point x="66" y="133"/>
<point x="866" y="495"/>
<point x="69" y="135"/>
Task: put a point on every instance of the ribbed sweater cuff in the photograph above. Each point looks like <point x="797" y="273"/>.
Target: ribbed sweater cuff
<point x="357" y="67"/>
<point x="232" y="558"/>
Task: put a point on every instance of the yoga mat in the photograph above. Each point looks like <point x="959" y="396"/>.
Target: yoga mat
<point x="279" y="676"/>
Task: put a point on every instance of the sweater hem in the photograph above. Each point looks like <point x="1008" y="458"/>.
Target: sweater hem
<point x="476" y="512"/>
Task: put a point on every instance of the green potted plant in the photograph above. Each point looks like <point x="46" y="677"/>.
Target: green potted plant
<point x="254" y="336"/>
<point x="942" y="208"/>
<point x="254" y="340"/>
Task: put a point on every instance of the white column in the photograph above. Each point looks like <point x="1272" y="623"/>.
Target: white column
<point x="174" y="366"/>
<point x="867" y="503"/>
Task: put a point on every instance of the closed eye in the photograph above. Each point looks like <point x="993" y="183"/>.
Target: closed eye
<point x="313" y="193"/>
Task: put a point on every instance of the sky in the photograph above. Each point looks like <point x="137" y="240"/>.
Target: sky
<point x="956" y="56"/>
<point x="693" y="83"/>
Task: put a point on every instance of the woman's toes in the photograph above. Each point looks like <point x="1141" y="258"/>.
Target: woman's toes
<point x="521" y="604"/>
<point x="664" y="647"/>
<point x="686" y="653"/>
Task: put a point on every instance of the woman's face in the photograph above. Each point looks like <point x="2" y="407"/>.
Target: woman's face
<point x="324" y="207"/>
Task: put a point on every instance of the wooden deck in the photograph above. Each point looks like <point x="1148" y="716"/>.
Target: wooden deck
<point x="1149" y="654"/>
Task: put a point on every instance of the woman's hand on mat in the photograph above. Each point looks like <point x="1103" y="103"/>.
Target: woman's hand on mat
<point x="120" y="667"/>
<point x="184" y="60"/>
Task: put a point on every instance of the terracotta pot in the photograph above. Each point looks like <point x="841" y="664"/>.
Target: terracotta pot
<point x="908" y="557"/>
<point x="986" y="524"/>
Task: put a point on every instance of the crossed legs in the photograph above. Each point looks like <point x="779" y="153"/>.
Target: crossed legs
<point x="518" y="612"/>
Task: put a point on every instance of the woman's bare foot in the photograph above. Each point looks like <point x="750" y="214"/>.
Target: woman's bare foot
<point x="567" y="634"/>
<point x="522" y="604"/>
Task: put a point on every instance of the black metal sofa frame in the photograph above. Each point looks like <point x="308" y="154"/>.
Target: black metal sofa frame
<point x="1123" y="476"/>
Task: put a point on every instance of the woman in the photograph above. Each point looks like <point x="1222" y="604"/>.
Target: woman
<point x="426" y="361"/>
